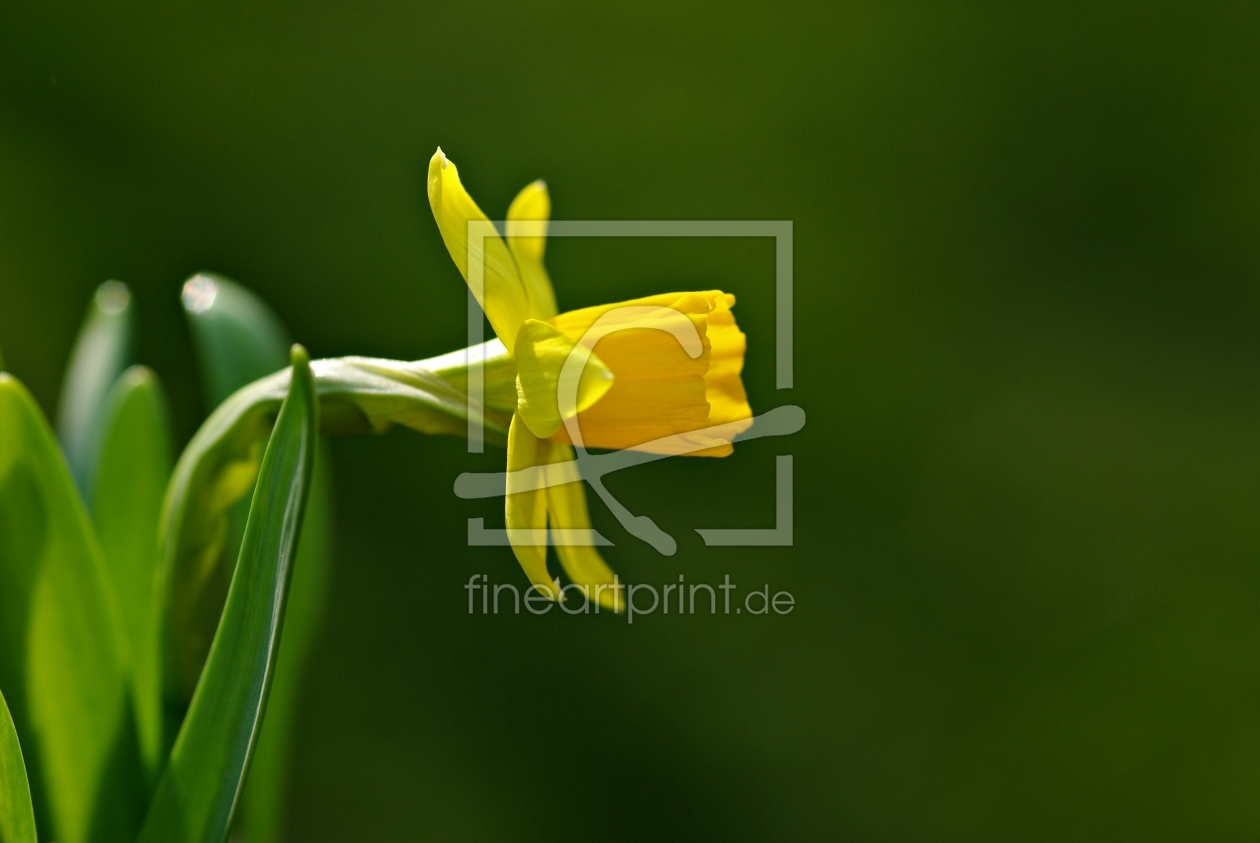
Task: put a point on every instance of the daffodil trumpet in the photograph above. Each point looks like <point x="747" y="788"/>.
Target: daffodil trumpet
<point x="629" y="375"/>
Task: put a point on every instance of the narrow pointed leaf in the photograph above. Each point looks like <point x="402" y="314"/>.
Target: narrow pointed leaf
<point x="100" y="354"/>
<point x="132" y="469"/>
<point x="62" y="648"/>
<point x="239" y="340"/>
<point x="17" y="818"/>
<point x="356" y="395"/>
<point x="267" y="788"/>
<point x="197" y="794"/>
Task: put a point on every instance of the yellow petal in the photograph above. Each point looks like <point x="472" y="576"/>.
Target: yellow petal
<point x="503" y="297"/>
<point x="724" y="387"/>
<point x="526" y="511"/>
<point x="660" y="390"/>
<point x="527" y="236"/>
<point x="566" y="505"/>
<point x="541" y="354"/>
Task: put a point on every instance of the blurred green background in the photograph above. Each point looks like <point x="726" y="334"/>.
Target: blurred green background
<point x="1027" y="341"/>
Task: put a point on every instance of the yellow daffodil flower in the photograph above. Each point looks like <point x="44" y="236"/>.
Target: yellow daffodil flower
<point x="648" y="369"/>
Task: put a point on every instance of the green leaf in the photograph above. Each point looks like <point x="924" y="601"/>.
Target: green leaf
<point x="17" y="818"/>
<point x="62" y="648"/>
<point x="100" y="354"/>
<point x="219" y="467"/>
<point x="220" y="463"/>
<point x="132" y="469"/>
<point x="238" y="338"/>
<point x="198" y="791"/>
<point x="267" y="788"/>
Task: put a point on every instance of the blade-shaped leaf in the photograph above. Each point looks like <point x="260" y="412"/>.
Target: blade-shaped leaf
<point x="267" y="788"/>
<point x="100" y="354"/>
<point x="62" y="649"/>
<point x="220" y="463"/>
<point x="17" y="818"/>
<point x="239" y="340"/>
<point x="198" y="791"/>
<point x="133" y="466"/>
<point x="238" y="337"/>
<point x="356" y="395"/>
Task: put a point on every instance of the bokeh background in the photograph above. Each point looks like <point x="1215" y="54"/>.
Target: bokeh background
<point x="1027" y="341"/>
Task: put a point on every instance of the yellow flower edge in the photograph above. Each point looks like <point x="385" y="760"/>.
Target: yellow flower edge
<point x="657" y="390"/>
